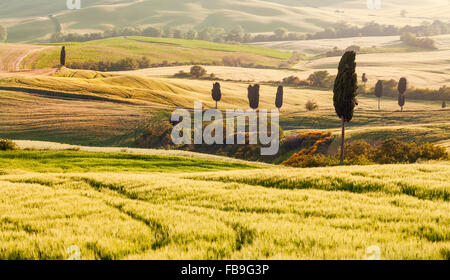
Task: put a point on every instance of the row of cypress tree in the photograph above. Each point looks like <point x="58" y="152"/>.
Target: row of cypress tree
<point x="253" y="95"/>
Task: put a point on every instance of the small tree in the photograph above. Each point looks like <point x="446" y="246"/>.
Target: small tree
<point x="253" y="96"/>
<point x="197" y="71"/>
<point x="62" y="57"/>
<point x="279" y="98"/>
<point x="379" y="92"/>
<point x="311" y="105"/>
<point x="344" y="97"/>
<point x="402" y="86"/>
<point x="364" y="80"/>
<point x="216" y="93"/>
<point x="444" y="105"/>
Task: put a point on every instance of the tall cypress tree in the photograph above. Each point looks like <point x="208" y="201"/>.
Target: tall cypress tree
<point x="253" y="96"/>
<point x="216" y="93"/>
<point x="379" y="92"/>
<point x="279" y="98"/>
<point x="344" y="97"/>
<point x="62" y="57"/>
<point x="402" y="86"/>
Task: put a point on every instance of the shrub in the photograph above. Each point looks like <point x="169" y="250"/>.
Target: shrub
<point x="394" y="151"/>
<point x="311" y="105"/>
<point x="321" y="79"/>
<point x="157" y="134"/>
<point x="197" y="71"/>
<point x="311" y="156"/>
<point x="7" y="145"/>
<point x="359" y="151"/>
<point x="432" y="152"/>
<point x="316" y="160"/>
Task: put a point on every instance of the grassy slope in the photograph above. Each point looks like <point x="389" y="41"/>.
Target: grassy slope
<point x="332" y="213"/>
<point x="157" y="50"/>
<point x="91" y="122"/>
<point x="254" y="16"/>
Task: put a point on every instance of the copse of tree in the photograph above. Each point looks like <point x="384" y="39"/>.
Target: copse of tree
<point x="3" y="33"/>
<point x="216" y="93"/>
<point x="320" y="79"/>
<point x="411" y="40"/>
<point x="197" y="71"/>
<point x="379" y="92"/>
<point x="124" y="64"/>
<point x="62" y="57"/>
<point x="279" y="97"/>
<point x="344" y="98"/>
<point x="402" y="86"/>
<point x="253" y="96"/>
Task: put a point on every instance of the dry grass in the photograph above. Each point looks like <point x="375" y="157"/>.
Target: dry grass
<point x="429" y="69"/>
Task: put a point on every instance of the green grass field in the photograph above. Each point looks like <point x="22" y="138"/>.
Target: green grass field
<point x="159" y="207"/>
<point x="157" y="50"/>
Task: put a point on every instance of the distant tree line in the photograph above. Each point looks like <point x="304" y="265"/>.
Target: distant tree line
<point x="239" y="35"/>
<point x="125" y="64"/>
<point x="318" y="79"/>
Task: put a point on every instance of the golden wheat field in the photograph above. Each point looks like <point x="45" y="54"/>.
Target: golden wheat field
<point x="171" y="207"/>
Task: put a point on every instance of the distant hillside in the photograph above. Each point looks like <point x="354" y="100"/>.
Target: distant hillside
<point x="28" y="20"/>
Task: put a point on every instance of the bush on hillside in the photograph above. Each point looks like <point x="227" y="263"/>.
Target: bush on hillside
<point x="7" y="145"/>
<point x="197" y="71"/>
<point x="311" y="105"/>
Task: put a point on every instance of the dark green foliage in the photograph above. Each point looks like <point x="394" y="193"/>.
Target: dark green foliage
<point x="253" y="96"/>
<point x="279" y="98"/>
<point x="344" y="97"/>
<point x="345" y="87"/>
<point x="394" y="151"/>
<point x="401" y="100"/>
<point x="124" y="64"/>
<point x="197" y="71"/>
<point x="216" y="93"/>
<point x="7" y="145"/>
<point x="379" y="92"/>
<point x="402" y="85"/>
<point x="311" y="105"/>
<point x="379" y="89"/>
<point x="62" y="57"/>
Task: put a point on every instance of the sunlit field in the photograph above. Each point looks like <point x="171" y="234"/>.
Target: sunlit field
<point x="90" y="101"/>
<point x="160" y="207"/>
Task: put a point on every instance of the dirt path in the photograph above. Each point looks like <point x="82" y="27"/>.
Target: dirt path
<point x="19" y="60"/>
<point x="12" y="56"/>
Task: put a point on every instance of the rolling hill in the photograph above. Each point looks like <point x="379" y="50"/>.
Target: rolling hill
<point x="100" y="109"/>
<point x="28" y="20"/>
<point x="158" y="51"/>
